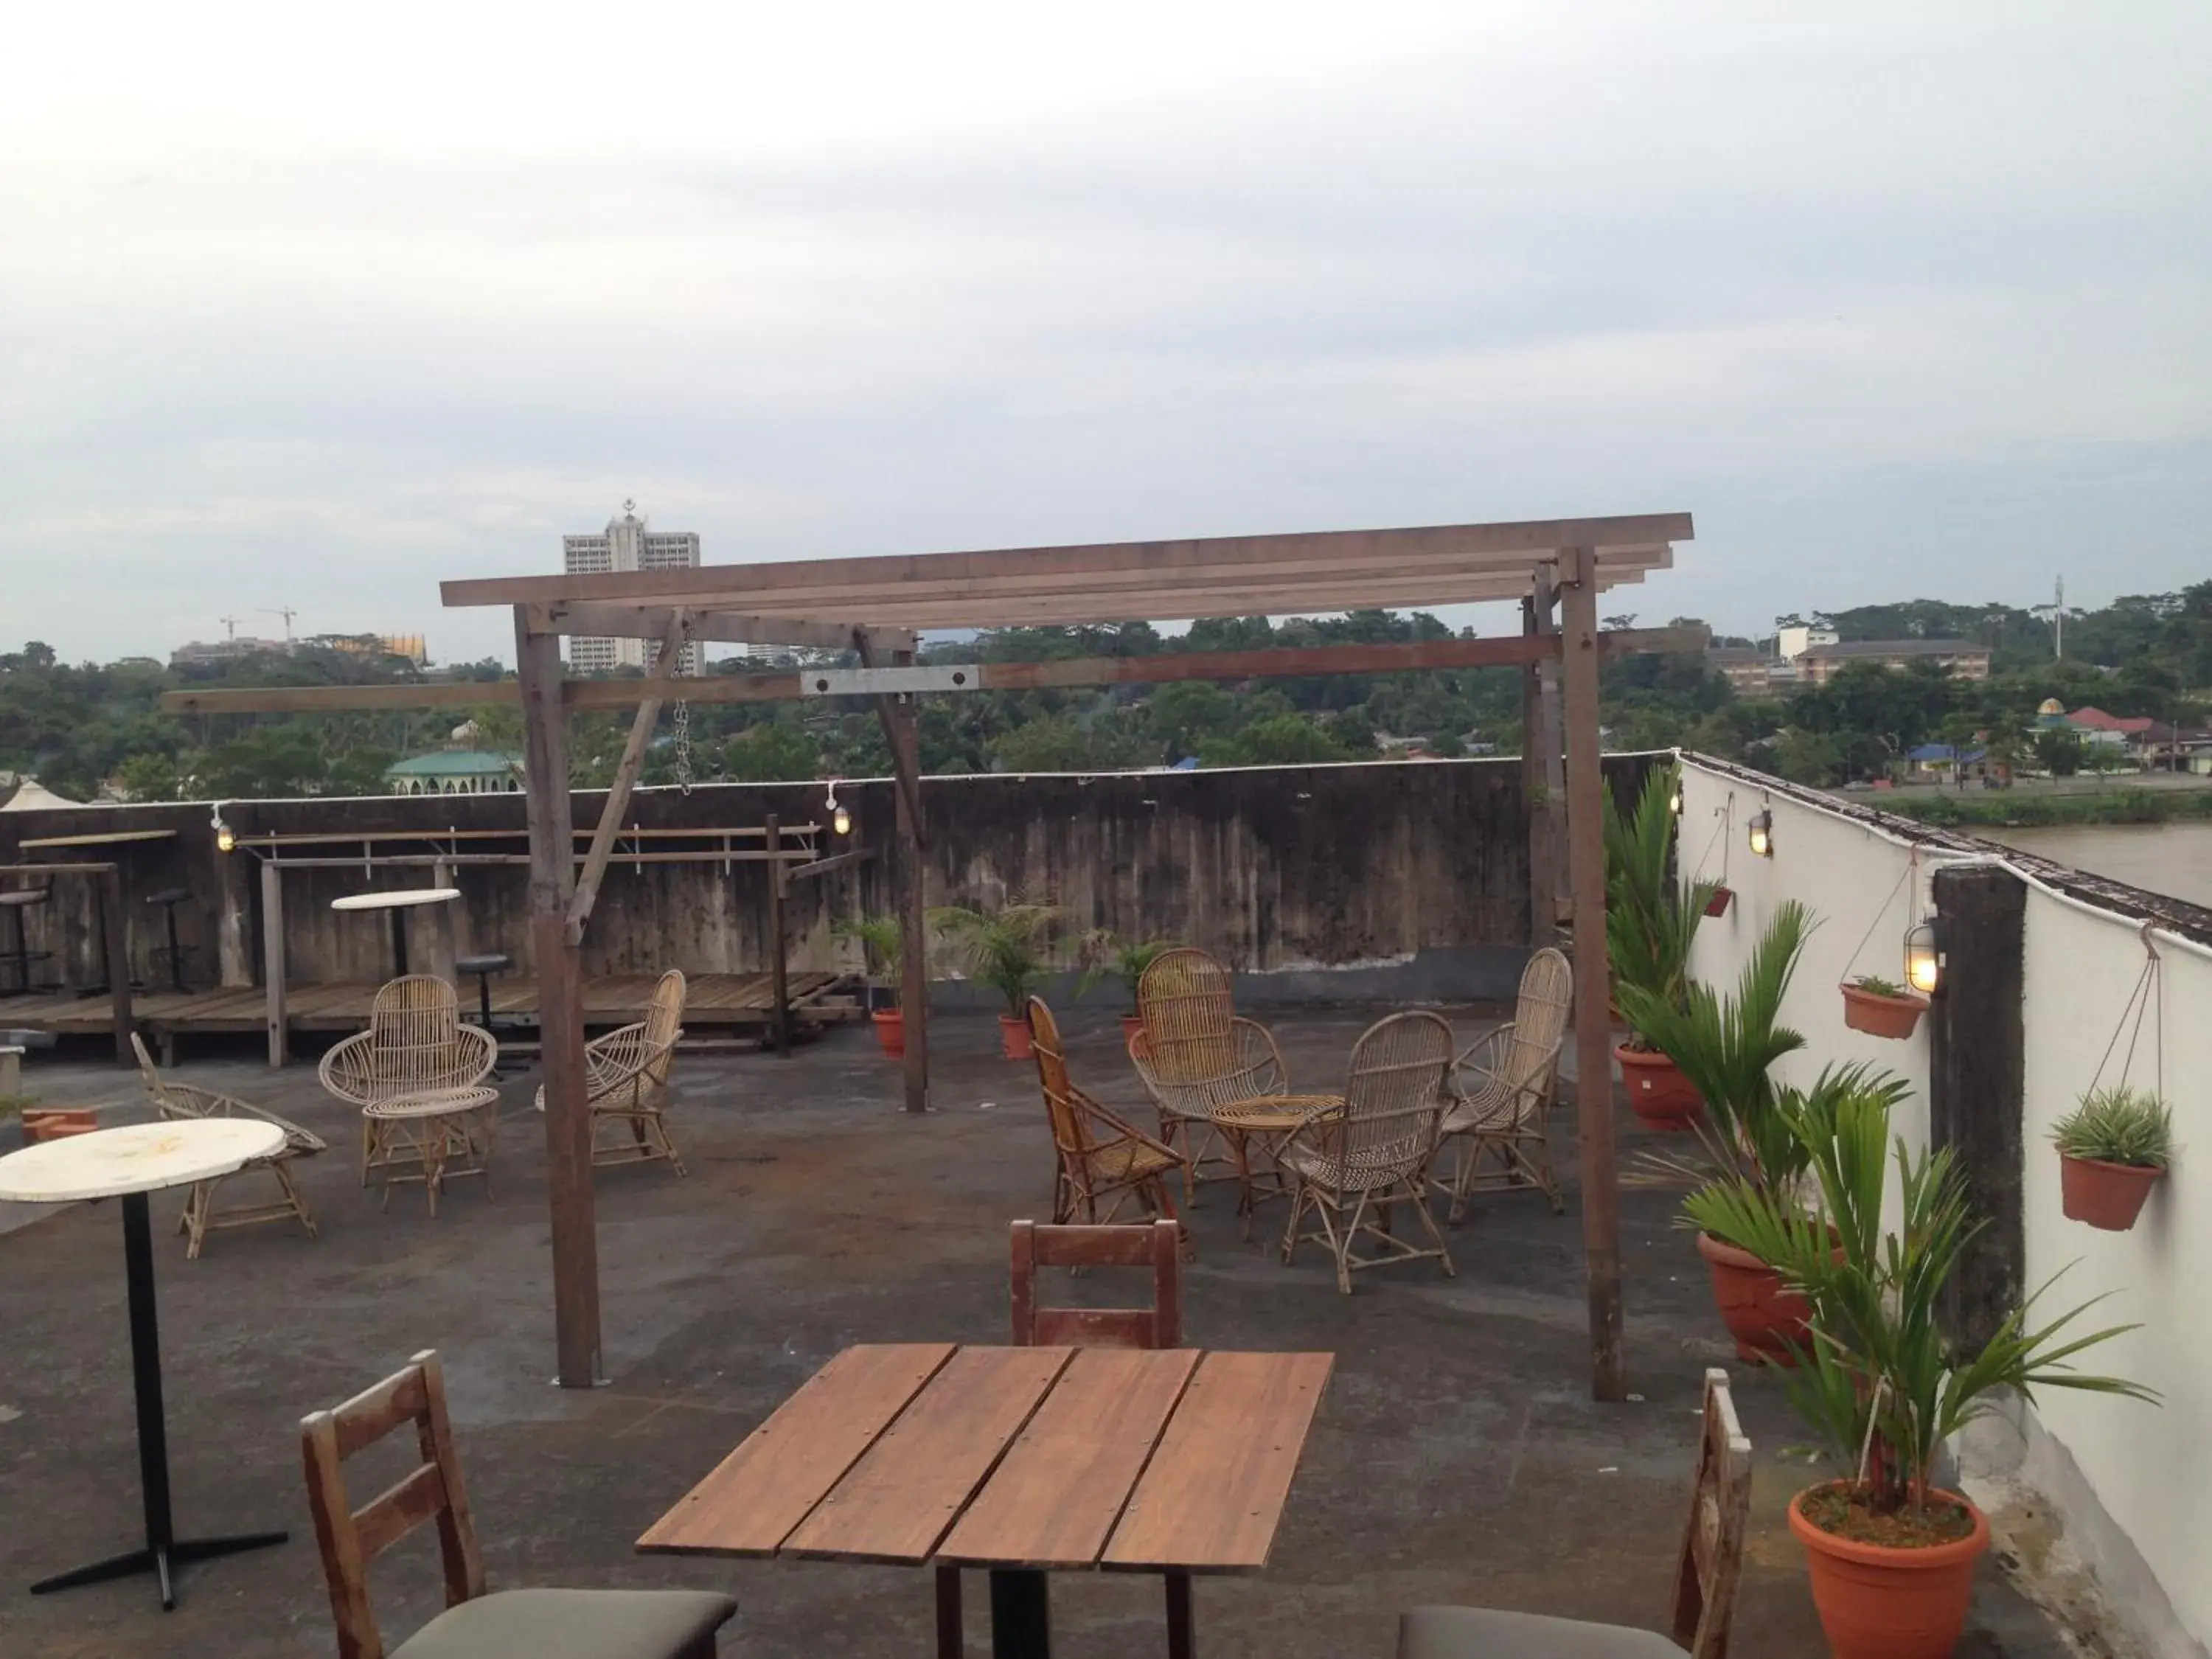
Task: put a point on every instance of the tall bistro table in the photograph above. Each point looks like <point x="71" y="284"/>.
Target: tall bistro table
<point x="1021" y="1460"/>
<point x="128" y="1164"/>
<point x="398" y="901"/>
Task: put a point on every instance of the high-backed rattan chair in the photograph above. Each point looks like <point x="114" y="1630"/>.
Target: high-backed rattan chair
<point x="478" y="1623"/>
<point x="1502" y="1090"/>
<point x="1101" y="1161"/>
<point x="1195" y="1053"/>
<point x="415" y="1044"/>
<point x="626" y="1082"/>
<point x="1356" y="1166"/>
<point x="175" y="1101"/>
<point x="1704" y="1581"/>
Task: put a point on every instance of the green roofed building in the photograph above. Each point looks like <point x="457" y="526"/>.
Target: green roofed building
<point x="455" y="772"/>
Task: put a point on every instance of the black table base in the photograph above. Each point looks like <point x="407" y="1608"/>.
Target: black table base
<point x="1021" y="1615"/>
<point x="162" y="1549"/>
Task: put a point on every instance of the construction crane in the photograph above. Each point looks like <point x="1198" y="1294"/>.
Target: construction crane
<point x="286" y="613"/>
<point x="229" y="626"/>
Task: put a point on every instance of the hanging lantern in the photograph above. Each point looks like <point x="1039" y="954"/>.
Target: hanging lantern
<point x="226" y="838"/>
<point x="841" y="819"/>
<point x="1923" y="957"/>
<point x="1762" y="835"/>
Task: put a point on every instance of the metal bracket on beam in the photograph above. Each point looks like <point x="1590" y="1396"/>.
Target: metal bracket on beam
<point x="889" y="682"/>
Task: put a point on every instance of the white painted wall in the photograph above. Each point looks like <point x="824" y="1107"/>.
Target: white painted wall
<point x="2142" y="1495"/>
<point x="2146" y="1465"/>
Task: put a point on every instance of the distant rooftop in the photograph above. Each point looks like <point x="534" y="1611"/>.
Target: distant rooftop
<point x="1884" y="648"/>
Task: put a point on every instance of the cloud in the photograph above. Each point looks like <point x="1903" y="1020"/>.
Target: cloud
<point x="1897" y="303"/>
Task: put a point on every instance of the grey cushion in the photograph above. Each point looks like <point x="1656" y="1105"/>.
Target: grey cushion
<point x="571" y="1624"/>
<point x="1483" y="1633"/>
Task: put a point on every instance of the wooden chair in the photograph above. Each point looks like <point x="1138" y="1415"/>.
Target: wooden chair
<point x="1705" y="1579"/>
<point x="518" y="1624"/>
<point x="415" y="1044"/>
<point x="1194" y="1054"/>
<point x="1098" y="1158"/>
<point x="175" y="1101"/>
<point x="1502" y="1090"/>
<point x="1158" y="1247"/>
<point x="626" y="1082"/>
<point x="1160" y="1326"/>
<point x="1356" y="1164"/>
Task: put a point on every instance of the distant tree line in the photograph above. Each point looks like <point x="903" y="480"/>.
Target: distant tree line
<point x="75" y="727"/>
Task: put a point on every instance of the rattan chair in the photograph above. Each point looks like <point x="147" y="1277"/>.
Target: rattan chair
<point x="626" y="1082"/>
<point x="1194" y="1054"/>
<point x="175" y="1101"/>
<point x="1355" y="1166"/>
<point x="1502" y="1090"/>
<point x="1101" y="1161"/>
<point x="415" y="1044"/>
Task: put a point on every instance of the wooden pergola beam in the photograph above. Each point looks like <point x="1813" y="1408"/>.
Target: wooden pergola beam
<point x="667" y="663"/>
<point x="1503" y="545"/>
<point x="649" y="621"/>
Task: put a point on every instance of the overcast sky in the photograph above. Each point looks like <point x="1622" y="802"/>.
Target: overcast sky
<point x="312" y="307"/>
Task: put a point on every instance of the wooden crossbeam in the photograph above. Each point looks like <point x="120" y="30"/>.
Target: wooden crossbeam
<point x="1268" y="662"/>
<point x="1526" y="544"/>
<point x="667" y="666"/>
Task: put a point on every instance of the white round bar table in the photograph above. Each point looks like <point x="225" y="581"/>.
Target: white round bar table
<point x="398" y="903"/>
<point x="128" y="1164"/>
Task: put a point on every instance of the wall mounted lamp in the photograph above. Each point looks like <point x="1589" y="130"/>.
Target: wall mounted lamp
<point x="1762" y="835"/>
<point x="1923" y="955"/>
<point x="841" y="819"/>
<point x="226" y="838"/>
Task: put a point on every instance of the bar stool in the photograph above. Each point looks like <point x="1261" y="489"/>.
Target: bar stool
<point x="168" y="898"/>
<point x="15" y="901"/>
<point x="483" y="967"/>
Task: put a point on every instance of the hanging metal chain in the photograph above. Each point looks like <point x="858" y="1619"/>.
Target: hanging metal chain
<point x="683" y="746"/>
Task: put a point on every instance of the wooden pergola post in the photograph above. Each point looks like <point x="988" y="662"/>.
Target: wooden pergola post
<point x="558" y="957"/>
<point x="1543" y="776"/>
<point x="1593" y="1024"/>
<point x="901" y="726"/>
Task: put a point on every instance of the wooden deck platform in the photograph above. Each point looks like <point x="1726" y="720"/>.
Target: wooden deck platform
<point x="723" y="1004"/>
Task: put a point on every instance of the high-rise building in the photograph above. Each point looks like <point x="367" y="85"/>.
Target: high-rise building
<point x="628" y="543"/>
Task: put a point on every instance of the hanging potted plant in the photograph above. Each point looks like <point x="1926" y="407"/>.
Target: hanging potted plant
<point x="2113" y="1148"/>
<point x="1726" y="1046"/>
<point x="1891" y="1555"/>
<point x="882" y="948"/>
<point x="1650" y="921"/>
<point x="1007" y="950"/>
<point x="1881" y="1008"/>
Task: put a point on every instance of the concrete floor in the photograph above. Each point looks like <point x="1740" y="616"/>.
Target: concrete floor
<point x="1457" y="1457"/>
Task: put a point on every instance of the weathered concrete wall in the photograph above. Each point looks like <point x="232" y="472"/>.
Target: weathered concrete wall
<point x="1408" y="875"/>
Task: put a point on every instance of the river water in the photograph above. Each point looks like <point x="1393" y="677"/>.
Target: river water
<point x="2173" y="859"/>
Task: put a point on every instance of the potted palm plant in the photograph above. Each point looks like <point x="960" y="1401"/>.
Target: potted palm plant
<point x="2113" y="1148"/>
<point x="1891" y="1555"/>
<point x="1881" y="1008"/>
<point x="1650" y="921"/>
<point x="882" y="948"/>
<point x="1726" y="1045"/>
<point x="1008" y="950"/>
<point x="1125" y="960"/>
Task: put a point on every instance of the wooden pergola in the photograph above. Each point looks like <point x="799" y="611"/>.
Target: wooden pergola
<point x="875" y="606"/>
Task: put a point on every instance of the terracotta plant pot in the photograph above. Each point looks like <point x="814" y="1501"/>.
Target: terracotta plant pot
<point x="2107" y="1196"/>
<point x="1718" y="903"/>
<point x="1762" y="1315"/>
<point x="56" y="1123"/>
<point x="890" y="1031"/>
<point x="1131" y="1024"/>
<point x="1657" y="1090"/>
<point x="1880" y="1016"/>
<point x="1876" y="1602"/>
<point x="1014" y="1032"/>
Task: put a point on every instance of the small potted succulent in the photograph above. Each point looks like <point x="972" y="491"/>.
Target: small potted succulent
<point x="1717" y="904"/>
<point x="1008" y="950"/>
<point x="1125" y="960"/>
<point x="1891" y="1555"/>
<point x="882" y="947"/>
<point x="2113" y="1148"/>
<point x="1881" y="1008"/>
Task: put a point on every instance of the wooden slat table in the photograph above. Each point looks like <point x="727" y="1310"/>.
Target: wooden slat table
<point x="1021" y="1461"/>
